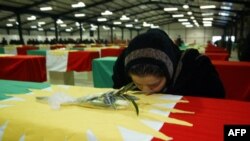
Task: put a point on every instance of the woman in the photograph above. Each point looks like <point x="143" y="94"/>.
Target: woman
<point x="156" y="65"/>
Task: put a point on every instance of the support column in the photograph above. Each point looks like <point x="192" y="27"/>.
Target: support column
<point x="80" y="30"/>
<point x="56" y="30"/>
<point x="122" y="33"/>
<point x="111" y="29"/>
<point x="204" y="33"/>
<point x="8" y="31"/>
<point x="241" y="27"/>
<point x="131" y="35"/>
<point x="20" y="28"/>
<point x="98" y="32"/>
<point x="186" y="36"/>
<point x="223" y="38"/>
<point x="236" y="31"/>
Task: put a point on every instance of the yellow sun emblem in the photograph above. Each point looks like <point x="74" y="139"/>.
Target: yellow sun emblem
<point x="24" y="119"/>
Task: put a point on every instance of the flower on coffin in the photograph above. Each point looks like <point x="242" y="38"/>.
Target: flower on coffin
<point x="116" y="99"/>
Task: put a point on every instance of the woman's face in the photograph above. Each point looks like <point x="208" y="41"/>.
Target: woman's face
<point x="149" y="83"/>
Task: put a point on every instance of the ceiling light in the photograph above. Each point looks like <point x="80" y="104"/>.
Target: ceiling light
<point x="189" y="13"/>
<point x="105" y="28"/>
<point x="190" y="25"/>
<point x="68" y="29"/>
<point x="207" y="25"/>
<point x="186" y="23"/>
<point x="102" y="19"/>
<point x="41" y="23"/>
<point x="177" y="15"/>
<point x="171" y="9"/>
<point x="11" y="20"/>
<point x="207" y="19"/>
<point x="63" y="25"/>
<point x="154" y="26"/>
<point x="145" y="24"/>
<point x="197" y="24"/>
<point x="77" y="23"/>
<point x="48" y="8"/>
<point x="129" y="25"/>
<point x="182" y="20"/>
<point x="93" y="26"/>
<point x="31" y="18"/>
<point x="92" y="29"/>
<point x="207" y="6"/>
<point x="40" y="29"/>
<point x="136" y="20"/>
<point x="77" y="5"/>
<point x="223" y="14"/>
<point x="225" y="7"/>
<point x="106" y="13"/>
<point x="117" y="22"/>
<point x="192" y="17"/>
<point x="33" y="26"/>
<point x="124" y="18"/>
<point x="185" y="6"/>
<point x="59" y="21"/>
<point x="9" y="25"/>
<point x="79" y="15"/>
<point x="207" y="14"/>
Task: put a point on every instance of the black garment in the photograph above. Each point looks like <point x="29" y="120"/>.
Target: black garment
<point x="197" y="77"/>
<point x="193" y="75"/>
<point x="120" y="77"/>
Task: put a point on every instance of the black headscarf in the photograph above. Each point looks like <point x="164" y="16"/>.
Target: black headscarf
<point x="153" y="47"/>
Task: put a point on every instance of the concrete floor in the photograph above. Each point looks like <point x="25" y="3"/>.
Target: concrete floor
<point x="234" y="56"/>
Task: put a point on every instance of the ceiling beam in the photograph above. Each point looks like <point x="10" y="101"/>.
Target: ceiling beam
<point x="87" y="7"/>
<point x="117" y="10"/>
<point x="43" y="14"/>
<point x="28" y="11"/>
<point x="34" y="4"/>
<point x="24" y="8"/>
<point x="243" y="2"/>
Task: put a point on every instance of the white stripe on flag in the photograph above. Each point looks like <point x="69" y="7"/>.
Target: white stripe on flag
<point x="57" y="62"/>
<point x="10" y="50"/>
